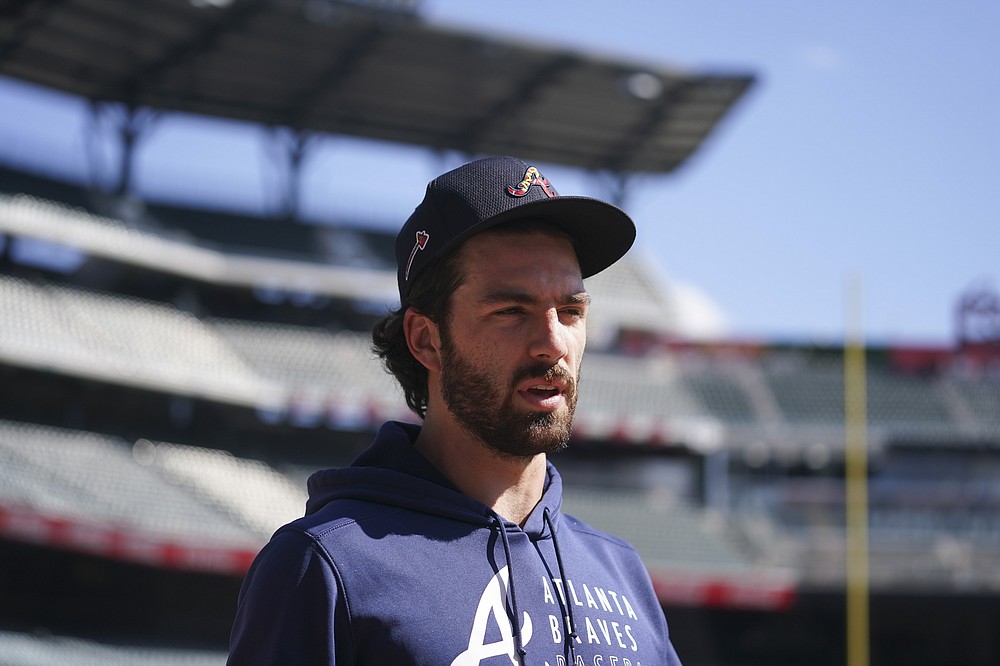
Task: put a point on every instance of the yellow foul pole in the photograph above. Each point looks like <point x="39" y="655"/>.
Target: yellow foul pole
<point x="856" y="477"/>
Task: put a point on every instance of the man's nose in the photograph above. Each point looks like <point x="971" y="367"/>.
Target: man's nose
<point x="549" y="337"/>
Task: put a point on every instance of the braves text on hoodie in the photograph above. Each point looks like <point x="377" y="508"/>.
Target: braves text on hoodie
<point x="392" y="565"/>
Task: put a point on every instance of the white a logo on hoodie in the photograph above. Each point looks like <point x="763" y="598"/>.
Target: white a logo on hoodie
<point x="493" y="604"/>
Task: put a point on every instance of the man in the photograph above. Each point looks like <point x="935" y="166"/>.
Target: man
<point x="443" y="544"/>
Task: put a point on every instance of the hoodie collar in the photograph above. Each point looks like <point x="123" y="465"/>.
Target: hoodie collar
<point x="393" y="449"/>
<point x="391" y="470"/>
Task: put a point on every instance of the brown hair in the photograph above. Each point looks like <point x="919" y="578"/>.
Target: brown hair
<point x="430" y="295"/>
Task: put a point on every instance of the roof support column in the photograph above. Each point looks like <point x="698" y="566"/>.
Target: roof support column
<point x="291" y="147"/>
<point x="128" y="123"/>
<point x="618" y="188"/>
<point x="615" y="185"/>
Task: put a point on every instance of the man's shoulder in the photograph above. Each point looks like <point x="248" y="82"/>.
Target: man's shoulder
<point x="337" y="515"/>
<point x="586" y="531"/>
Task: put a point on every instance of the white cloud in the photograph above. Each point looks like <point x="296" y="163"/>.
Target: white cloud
<point x="698" y="316"/>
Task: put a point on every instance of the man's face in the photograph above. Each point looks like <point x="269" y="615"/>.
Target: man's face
<point x="512" y="346"/>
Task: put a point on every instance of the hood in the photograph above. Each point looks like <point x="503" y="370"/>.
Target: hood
<point x="392" y="472"/>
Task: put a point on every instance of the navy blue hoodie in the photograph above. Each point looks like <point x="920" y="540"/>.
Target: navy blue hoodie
<point x="392" y="565"/>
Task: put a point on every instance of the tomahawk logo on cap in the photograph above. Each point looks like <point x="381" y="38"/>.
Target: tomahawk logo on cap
<point x="532" y="177"/>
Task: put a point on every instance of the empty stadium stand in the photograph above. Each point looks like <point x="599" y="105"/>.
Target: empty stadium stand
<point x="21" y="649"/>
<point x="219" y="397"/>
<point x="692" y="399"/>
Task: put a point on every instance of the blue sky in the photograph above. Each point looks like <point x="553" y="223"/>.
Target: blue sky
<point x="866" y="152"/>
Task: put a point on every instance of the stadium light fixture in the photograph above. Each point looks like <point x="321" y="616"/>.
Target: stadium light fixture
<point x="644" y="85"/>
<point x="206" y="4"/>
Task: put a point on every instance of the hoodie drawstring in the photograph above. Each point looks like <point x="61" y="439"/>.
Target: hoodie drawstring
<point x="568" y="620"/>
<point x="516" y="623"/>
<point x="569" y="623"/>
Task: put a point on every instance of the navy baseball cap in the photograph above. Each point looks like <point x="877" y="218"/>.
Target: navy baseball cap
<point x="494" y="190"/>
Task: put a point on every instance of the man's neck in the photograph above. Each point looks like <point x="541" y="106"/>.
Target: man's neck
<point x="510" y="485"/>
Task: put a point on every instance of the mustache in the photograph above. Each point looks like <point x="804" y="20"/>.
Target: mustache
<point x="548" y="373"/>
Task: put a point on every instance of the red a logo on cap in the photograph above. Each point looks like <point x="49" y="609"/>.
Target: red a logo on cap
<point x="532" y="177"/>
<point x="422" y="238"/>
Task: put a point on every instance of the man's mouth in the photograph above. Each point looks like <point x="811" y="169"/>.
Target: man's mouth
<point x="547" y="392"/>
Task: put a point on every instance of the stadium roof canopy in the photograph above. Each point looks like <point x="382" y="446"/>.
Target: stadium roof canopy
<point x="361" y="69"/>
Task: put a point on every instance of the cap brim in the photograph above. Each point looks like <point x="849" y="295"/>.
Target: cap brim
<point x="601" y="232"/>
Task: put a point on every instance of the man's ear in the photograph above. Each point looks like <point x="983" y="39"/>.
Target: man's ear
<point x="423" y="338"/>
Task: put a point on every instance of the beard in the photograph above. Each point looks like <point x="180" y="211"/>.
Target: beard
<point x="484" y="407"/>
